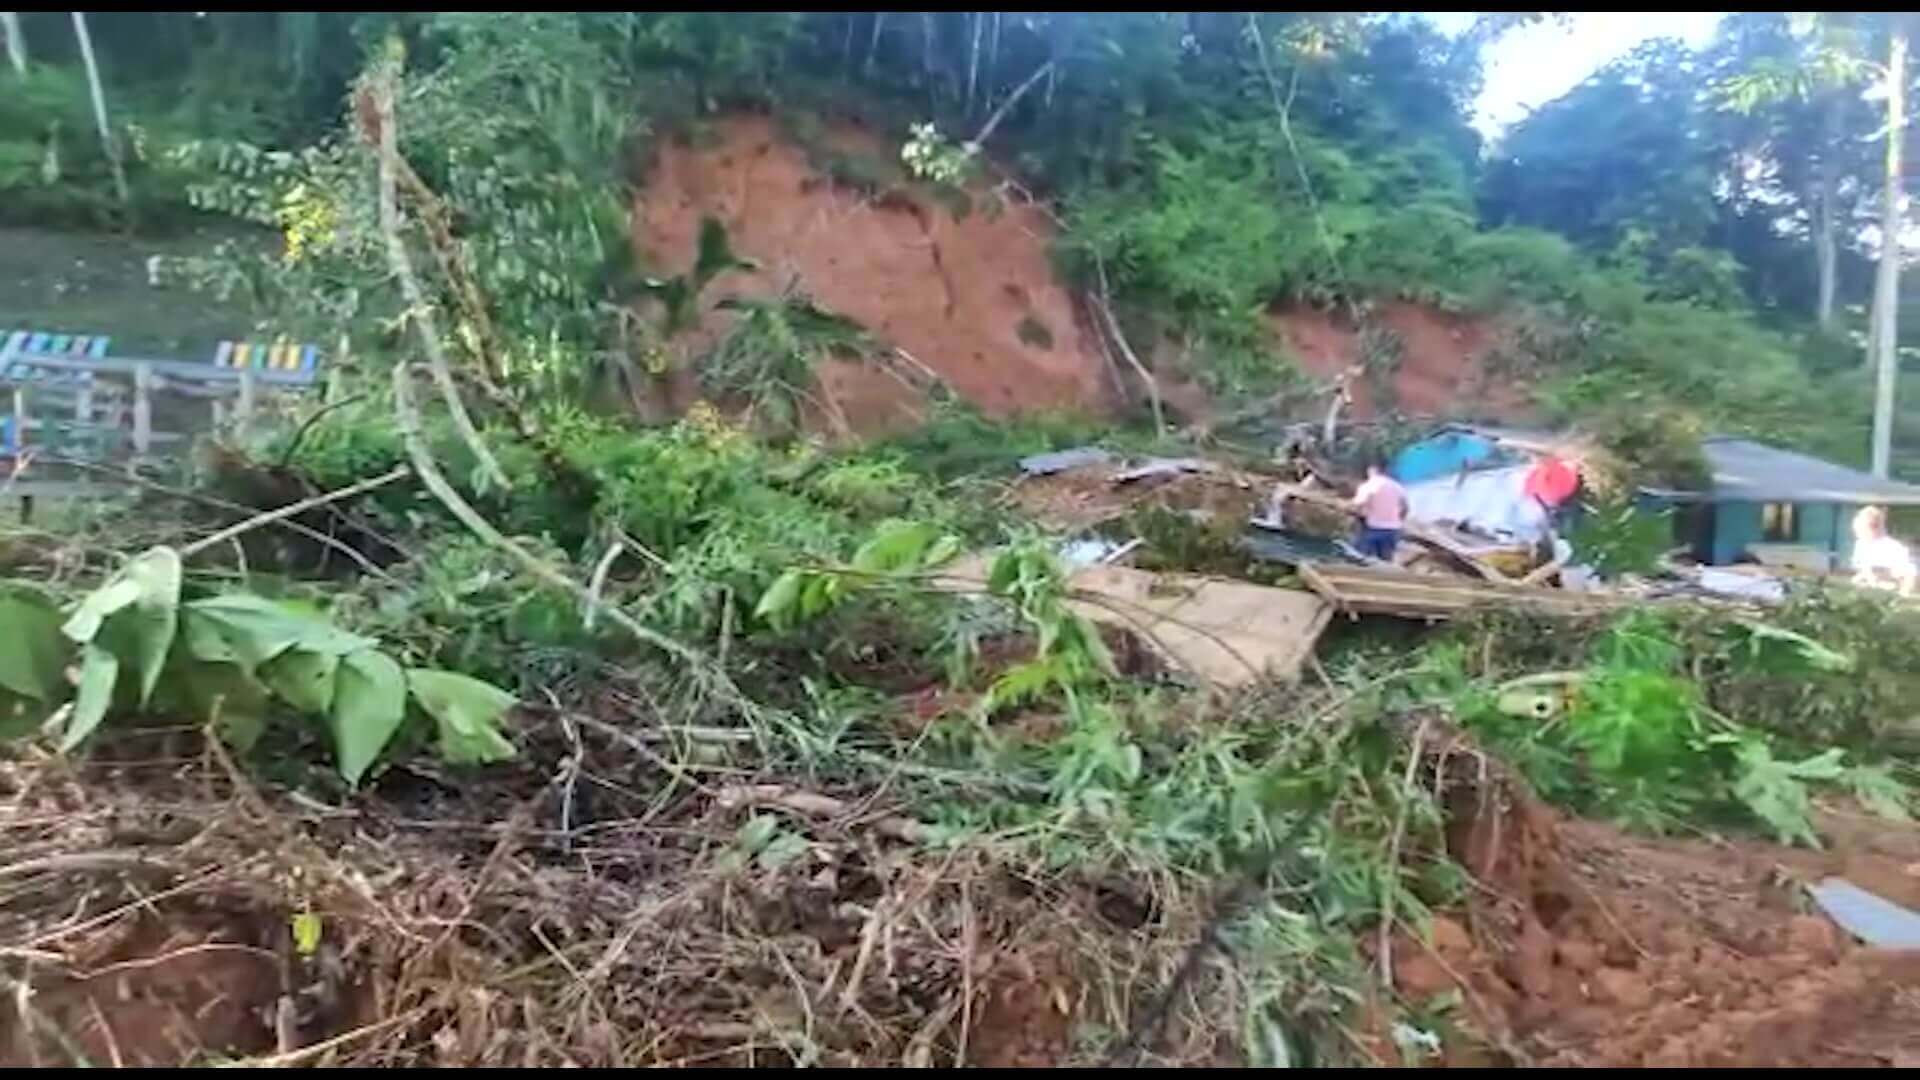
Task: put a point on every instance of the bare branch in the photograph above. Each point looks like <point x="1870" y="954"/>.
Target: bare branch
<point x="291" y="509"/>
<point x="973" y="145"/>
<point x="421" y="310"/>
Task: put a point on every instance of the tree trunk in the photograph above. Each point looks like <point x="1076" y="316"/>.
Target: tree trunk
<point x="873" y="43"/>
<point x="1826" y="249"/>
<point x="1886" y="291"/>
<point x="973" y="65"/>
<point x="16" y="45"/>
<point x="972" y="146"/>
<point x="993" y="60"/>
<point x="100" y="106"/>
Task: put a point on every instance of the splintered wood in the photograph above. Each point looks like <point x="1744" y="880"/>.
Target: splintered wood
<point x="1367" y="590"/>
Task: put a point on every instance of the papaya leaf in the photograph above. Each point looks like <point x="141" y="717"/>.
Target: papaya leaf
<point x="466" y="712"/>
<point x="369" y="701"/>
<point x="303" y="679"/>
<point x="33" y="652"/>
<point x="98" y="671"/>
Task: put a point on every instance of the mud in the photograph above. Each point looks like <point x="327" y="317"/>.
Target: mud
<point x="1587" y="946"/>
<point x="1446" y="366"/>
<point x="971" y="296"/>
<point x="192" y="989"/>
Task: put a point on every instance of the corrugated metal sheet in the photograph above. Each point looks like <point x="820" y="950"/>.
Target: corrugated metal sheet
<point x="1747" y="471"/>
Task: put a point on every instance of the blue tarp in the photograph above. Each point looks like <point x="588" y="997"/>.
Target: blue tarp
<point x="1443" y="454"/>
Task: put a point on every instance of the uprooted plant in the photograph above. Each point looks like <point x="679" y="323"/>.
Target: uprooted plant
<point x="142" y="643"/>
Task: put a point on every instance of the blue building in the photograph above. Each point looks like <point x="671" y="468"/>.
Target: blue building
<point x="1762" y="495"/>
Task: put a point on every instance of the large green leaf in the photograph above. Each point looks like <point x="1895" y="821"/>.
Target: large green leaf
<point x="304" y="679"/>
<point x="369" y="701"/>
<point x="135" y="615"/>
<point x="256" y="630"/>
<point x="224" y="692"/>
<point x="98" y="671"/>
<point x="466" y="713"/>
<point x="32" y="651"/>
<point x="20" y="715"/>
<point x="84" y="624"/>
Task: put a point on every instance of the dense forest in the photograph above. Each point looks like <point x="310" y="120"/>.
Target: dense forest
<point x="1698" y="226"/>
<point x="651" y="638"/>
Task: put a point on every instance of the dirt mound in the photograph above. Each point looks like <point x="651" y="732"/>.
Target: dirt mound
<point x="1591" y="947"/>
<point x="1434" y="364"/>
<point x="971" y="295"/>
<point x="550" y="915"/>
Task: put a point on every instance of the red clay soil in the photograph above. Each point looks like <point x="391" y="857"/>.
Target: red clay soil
<point x="974" y="299"/>
<point x="169" y="994"/>
<point x="1443" y="370"/>
<point x="1595" y="948"/>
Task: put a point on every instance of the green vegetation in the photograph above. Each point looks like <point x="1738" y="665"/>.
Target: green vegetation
<point x="707" y="688"/>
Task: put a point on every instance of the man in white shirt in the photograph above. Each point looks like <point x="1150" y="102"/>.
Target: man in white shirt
<point x="1382" y="503"/>
<point x="1878" y="559"/>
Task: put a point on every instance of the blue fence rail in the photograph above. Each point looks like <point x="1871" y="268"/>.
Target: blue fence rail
<point x="71" y="394"/>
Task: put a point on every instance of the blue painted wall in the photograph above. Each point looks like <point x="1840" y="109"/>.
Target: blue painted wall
<point x="1736" y="525"/>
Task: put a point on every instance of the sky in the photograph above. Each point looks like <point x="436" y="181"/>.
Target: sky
<point x="1534" y="65"/>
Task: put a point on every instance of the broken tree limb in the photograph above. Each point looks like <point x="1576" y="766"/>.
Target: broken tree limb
<point x="814" y="805"/>
<point x="131" y="477"/>
<point x="1105" y="307"/>
<point x="291" y="509"/>
<point x="974" y="144"/>
<point x="1342" y="395"/>
<point x="383" y="89"/>
<point x="407" y="416"/>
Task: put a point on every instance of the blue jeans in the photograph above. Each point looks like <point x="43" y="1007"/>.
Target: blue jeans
<point x="1379" y="543"/>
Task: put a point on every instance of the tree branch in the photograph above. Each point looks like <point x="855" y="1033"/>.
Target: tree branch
<point x="407" y="417"/>
<point x="973" y="145"/>
<point x="291" y="509"/>
<point x="1105" y="307"/>
<point x="383" y="89"/>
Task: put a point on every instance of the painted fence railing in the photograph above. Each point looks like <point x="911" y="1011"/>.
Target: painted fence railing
<point x="67" y="397"/>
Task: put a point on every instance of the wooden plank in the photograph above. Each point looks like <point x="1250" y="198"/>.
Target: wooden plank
<point x="1357" y="590"/>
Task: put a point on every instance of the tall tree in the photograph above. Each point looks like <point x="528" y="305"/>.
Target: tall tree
<point x="16" y="45"/>
<point x="1886" y="291"/>
<point x="107" y="142"/>
<point x="1798" y="78"/>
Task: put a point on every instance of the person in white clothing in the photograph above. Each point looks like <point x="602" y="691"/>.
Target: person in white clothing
<point x="1880" y="561"/>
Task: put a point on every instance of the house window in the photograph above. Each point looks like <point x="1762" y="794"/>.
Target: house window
<point x="1777" y="524"/>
